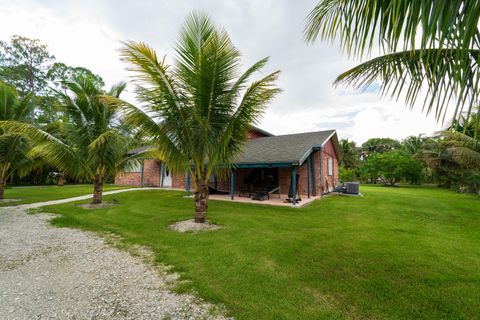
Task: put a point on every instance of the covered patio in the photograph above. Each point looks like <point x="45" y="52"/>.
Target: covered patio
<point x="288" y="170"/>
<point x="272" y="201"/>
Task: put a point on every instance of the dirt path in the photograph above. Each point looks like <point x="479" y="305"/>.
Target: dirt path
<point x="61" y="273"/>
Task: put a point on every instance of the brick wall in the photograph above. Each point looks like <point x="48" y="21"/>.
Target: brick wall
<point x="329" y="152"/>
<point x="151" y="175"/>
<point x="179" y="181"/>
<point x="128" y="179"/>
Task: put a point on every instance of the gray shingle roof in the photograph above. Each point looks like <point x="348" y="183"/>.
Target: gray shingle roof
<point x="290" y="148"/>
<point x="284" y="149"/>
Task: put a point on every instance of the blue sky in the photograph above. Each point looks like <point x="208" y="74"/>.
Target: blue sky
<point x="88" y="33"/>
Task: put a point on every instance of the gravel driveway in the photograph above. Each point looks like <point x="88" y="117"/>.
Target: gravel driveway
<point x="61" y="273"/>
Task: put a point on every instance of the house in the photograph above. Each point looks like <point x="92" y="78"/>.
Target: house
<point x="267" y="162"/>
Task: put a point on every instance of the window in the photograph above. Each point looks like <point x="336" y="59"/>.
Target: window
<point x="330" y="166"/>
<point x="136" y="167"/>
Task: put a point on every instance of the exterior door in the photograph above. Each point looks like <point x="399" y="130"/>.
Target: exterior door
<point x="167" y="179"/>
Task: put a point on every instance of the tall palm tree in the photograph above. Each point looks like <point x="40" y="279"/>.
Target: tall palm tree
<point x="199" y="110"/>
<point x="423" y="44"/>
<point x="90" y="144"/>
<point x="14" y="147"/>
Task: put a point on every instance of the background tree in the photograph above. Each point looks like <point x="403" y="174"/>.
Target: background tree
<point x="424" y="44"/>
<point x="454" y="160"/>
<point x="24" y="64"/>
<point x="412" y="144"/>
<point x="200" y="109"/>
<point x="15" y="147"/>
<point x="351" y="154"/>
<point x="392" y="167"/>
<point x="59" y="73"/>
<point x="379" y="145"/>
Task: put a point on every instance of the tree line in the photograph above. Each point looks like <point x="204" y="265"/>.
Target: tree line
<point x="450" y="158"/>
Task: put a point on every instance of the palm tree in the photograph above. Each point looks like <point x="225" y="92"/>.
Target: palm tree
<point x="424" y="44"/>
<point x="14" y="147"/>
<point x="198" y="111"/>
<point x="413" y="144"/>
<point x="90" y="144"/>
<point x="351" y="154"/>
<point x="454" y="159"/>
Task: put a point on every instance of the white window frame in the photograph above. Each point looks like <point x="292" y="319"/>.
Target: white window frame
<point x="330" y="166"/>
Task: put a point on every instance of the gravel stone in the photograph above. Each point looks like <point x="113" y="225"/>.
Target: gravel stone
<point x="61" y="273"/>
<point x="192" y="226"/>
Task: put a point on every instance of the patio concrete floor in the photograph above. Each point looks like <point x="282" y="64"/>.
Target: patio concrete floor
<point x="273" y="201"/>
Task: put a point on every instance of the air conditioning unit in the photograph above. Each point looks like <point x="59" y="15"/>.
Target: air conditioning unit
<point x="352" y="187"/>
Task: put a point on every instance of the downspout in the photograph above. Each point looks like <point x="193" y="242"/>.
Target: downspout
<point x="309" y="180"/>
<point x="162" y="174"/>
<point x="322" y="182"/>
<point x="314" y="169"/>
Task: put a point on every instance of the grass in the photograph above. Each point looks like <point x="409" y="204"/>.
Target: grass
<point x="46" y="193"/>
<point x="396" y="253"/>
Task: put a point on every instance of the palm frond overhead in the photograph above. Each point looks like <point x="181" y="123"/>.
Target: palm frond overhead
<point x="395" y="24"/>
<point x="432" y="44"/>
<point x="409" y="72"/>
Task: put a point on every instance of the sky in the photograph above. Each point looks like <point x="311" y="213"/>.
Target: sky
<point x="88" y="33"/>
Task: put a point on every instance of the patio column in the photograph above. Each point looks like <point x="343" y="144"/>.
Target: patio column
<point x="309" y="173"/>
<point x="314" y="169"/>
<point x="294" y="185"/>
<point x="187" y="183"/>
<point x="142" y="173"/>
<point x="232" y="184"/>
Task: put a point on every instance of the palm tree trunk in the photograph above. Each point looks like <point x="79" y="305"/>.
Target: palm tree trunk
<point x="61" y="179"/>
<point x="97" y="190"/>
<point x="201" y="202"/>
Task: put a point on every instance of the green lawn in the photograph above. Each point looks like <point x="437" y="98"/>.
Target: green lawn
<point x="46" y="193"/>
<point x="396" y="253"/>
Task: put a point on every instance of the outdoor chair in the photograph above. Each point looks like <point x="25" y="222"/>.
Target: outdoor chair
<point x="274" y="190"/>
<point x="246" y="190"/>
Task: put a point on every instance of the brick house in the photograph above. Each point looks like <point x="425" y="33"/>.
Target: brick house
<point x="266" y="161"/>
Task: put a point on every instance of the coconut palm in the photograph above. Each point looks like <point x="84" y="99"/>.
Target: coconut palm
<point x="423" y="44"/>
<point x="453" y="158"/>
<point x="413" y="144"/>
<point x="90" y="144"/>
<point x="14" y="147"/>
<point x="199" y="110"/>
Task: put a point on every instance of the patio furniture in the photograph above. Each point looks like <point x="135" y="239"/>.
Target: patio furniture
<point x="247" y="190"/>
<point x="260" y="196"/>
<point x="274" y="190"/>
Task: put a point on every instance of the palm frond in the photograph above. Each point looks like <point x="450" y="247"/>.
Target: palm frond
<point x="396" y="24"/>
<point x="405" y="74"/>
